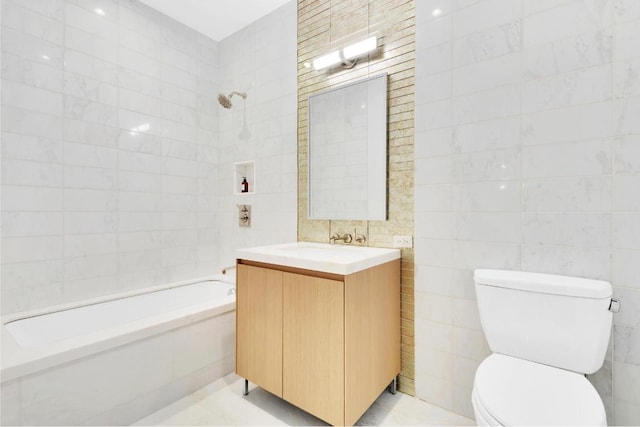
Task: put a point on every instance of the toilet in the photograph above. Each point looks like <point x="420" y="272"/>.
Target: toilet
<point x="545" y="332"/>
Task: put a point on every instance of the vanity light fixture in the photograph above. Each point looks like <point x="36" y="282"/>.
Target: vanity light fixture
<point x="327" y="60"/>
<point x="347" y="56"/>
<point x="360" y="48"/>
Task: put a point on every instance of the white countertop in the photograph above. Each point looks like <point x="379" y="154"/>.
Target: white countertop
<point x="336" y="259"/>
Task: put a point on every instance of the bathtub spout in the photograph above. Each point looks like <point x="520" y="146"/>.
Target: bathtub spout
<point x="225" y="270"/>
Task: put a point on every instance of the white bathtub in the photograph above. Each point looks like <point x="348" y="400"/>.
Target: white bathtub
<point x="114" y="360"/>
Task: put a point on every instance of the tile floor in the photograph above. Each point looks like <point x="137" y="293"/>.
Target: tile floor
<point x="222" y="403"/>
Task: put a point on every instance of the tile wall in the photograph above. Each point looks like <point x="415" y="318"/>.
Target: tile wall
<point x="261" y="61"/>
<point x="116" y="157"/>
<point x="109" y="151"/>
<point x="527" y="157"/>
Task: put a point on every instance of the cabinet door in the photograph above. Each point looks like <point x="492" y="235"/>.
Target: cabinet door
<point x="259" y="327"/>
<point x="313" y="352"/>
<point x="372" y="335"/>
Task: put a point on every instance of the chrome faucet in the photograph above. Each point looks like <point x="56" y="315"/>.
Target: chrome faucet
<point x="347" y="238"/>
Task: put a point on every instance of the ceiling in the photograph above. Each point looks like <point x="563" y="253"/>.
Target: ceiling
<point x="215" y="18"/>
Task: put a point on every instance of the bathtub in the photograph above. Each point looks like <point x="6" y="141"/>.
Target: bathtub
<point x="111" y="361"/>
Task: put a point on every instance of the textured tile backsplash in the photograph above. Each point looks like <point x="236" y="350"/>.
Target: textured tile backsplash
<point x="329" y="24"/>
<point x="526" y="158"/>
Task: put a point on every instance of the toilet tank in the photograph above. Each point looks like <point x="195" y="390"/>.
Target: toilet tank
<point x="555" y="320"/>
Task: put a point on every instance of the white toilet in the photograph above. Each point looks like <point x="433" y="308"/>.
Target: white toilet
<point x="545" y="333"/>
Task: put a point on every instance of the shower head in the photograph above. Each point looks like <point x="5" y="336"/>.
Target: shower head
<point x="225" y="100"/>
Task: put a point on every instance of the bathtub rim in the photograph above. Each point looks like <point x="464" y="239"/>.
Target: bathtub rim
<point x="12" y="317"/>
<point x="18" y="361"/>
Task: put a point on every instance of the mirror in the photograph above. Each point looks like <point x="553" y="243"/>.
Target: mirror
<point x="348" y="151"/>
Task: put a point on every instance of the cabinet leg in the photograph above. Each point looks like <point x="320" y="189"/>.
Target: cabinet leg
<point x="246" y="388"/>
<point x="392" y="386"/>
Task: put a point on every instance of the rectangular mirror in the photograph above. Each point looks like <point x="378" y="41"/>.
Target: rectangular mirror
<point x="348" y="151"/>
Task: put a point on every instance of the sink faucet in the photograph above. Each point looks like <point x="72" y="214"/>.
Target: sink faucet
<point x="347" y="238"/>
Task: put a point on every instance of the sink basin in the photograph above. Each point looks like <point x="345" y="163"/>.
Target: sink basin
<point x="336" y="259"/>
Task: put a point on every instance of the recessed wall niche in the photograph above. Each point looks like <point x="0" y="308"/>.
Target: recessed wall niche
<point x="244" y="171"/>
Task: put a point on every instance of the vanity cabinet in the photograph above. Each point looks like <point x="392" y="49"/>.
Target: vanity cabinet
<point x="259" y="326"/>
<point x="325" y="342"/>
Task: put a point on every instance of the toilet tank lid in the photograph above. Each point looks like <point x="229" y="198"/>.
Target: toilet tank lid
<point x="543" y="283"/>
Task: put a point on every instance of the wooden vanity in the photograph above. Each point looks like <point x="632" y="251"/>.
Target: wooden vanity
<point x="328" y="343"/>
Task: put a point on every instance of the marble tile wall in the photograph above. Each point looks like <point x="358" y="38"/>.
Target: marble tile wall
<point x="260" y="60"/>
<point x="109" y="150"/>
<point x="117" y="160"/>
<point x="527" y="157"/>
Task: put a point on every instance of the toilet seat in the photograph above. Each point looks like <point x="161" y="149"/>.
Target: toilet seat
<point x="483" y="418"/>
<point x="511" y="391"/>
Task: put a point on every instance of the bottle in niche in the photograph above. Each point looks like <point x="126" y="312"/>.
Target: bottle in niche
<point x="244" y="185"/>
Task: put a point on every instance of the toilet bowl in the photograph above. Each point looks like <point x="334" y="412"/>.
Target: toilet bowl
<point x="511" y="391"/>
<point x="546" y="332"/>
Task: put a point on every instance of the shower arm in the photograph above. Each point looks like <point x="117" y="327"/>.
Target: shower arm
<point x="241" y="94"/>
